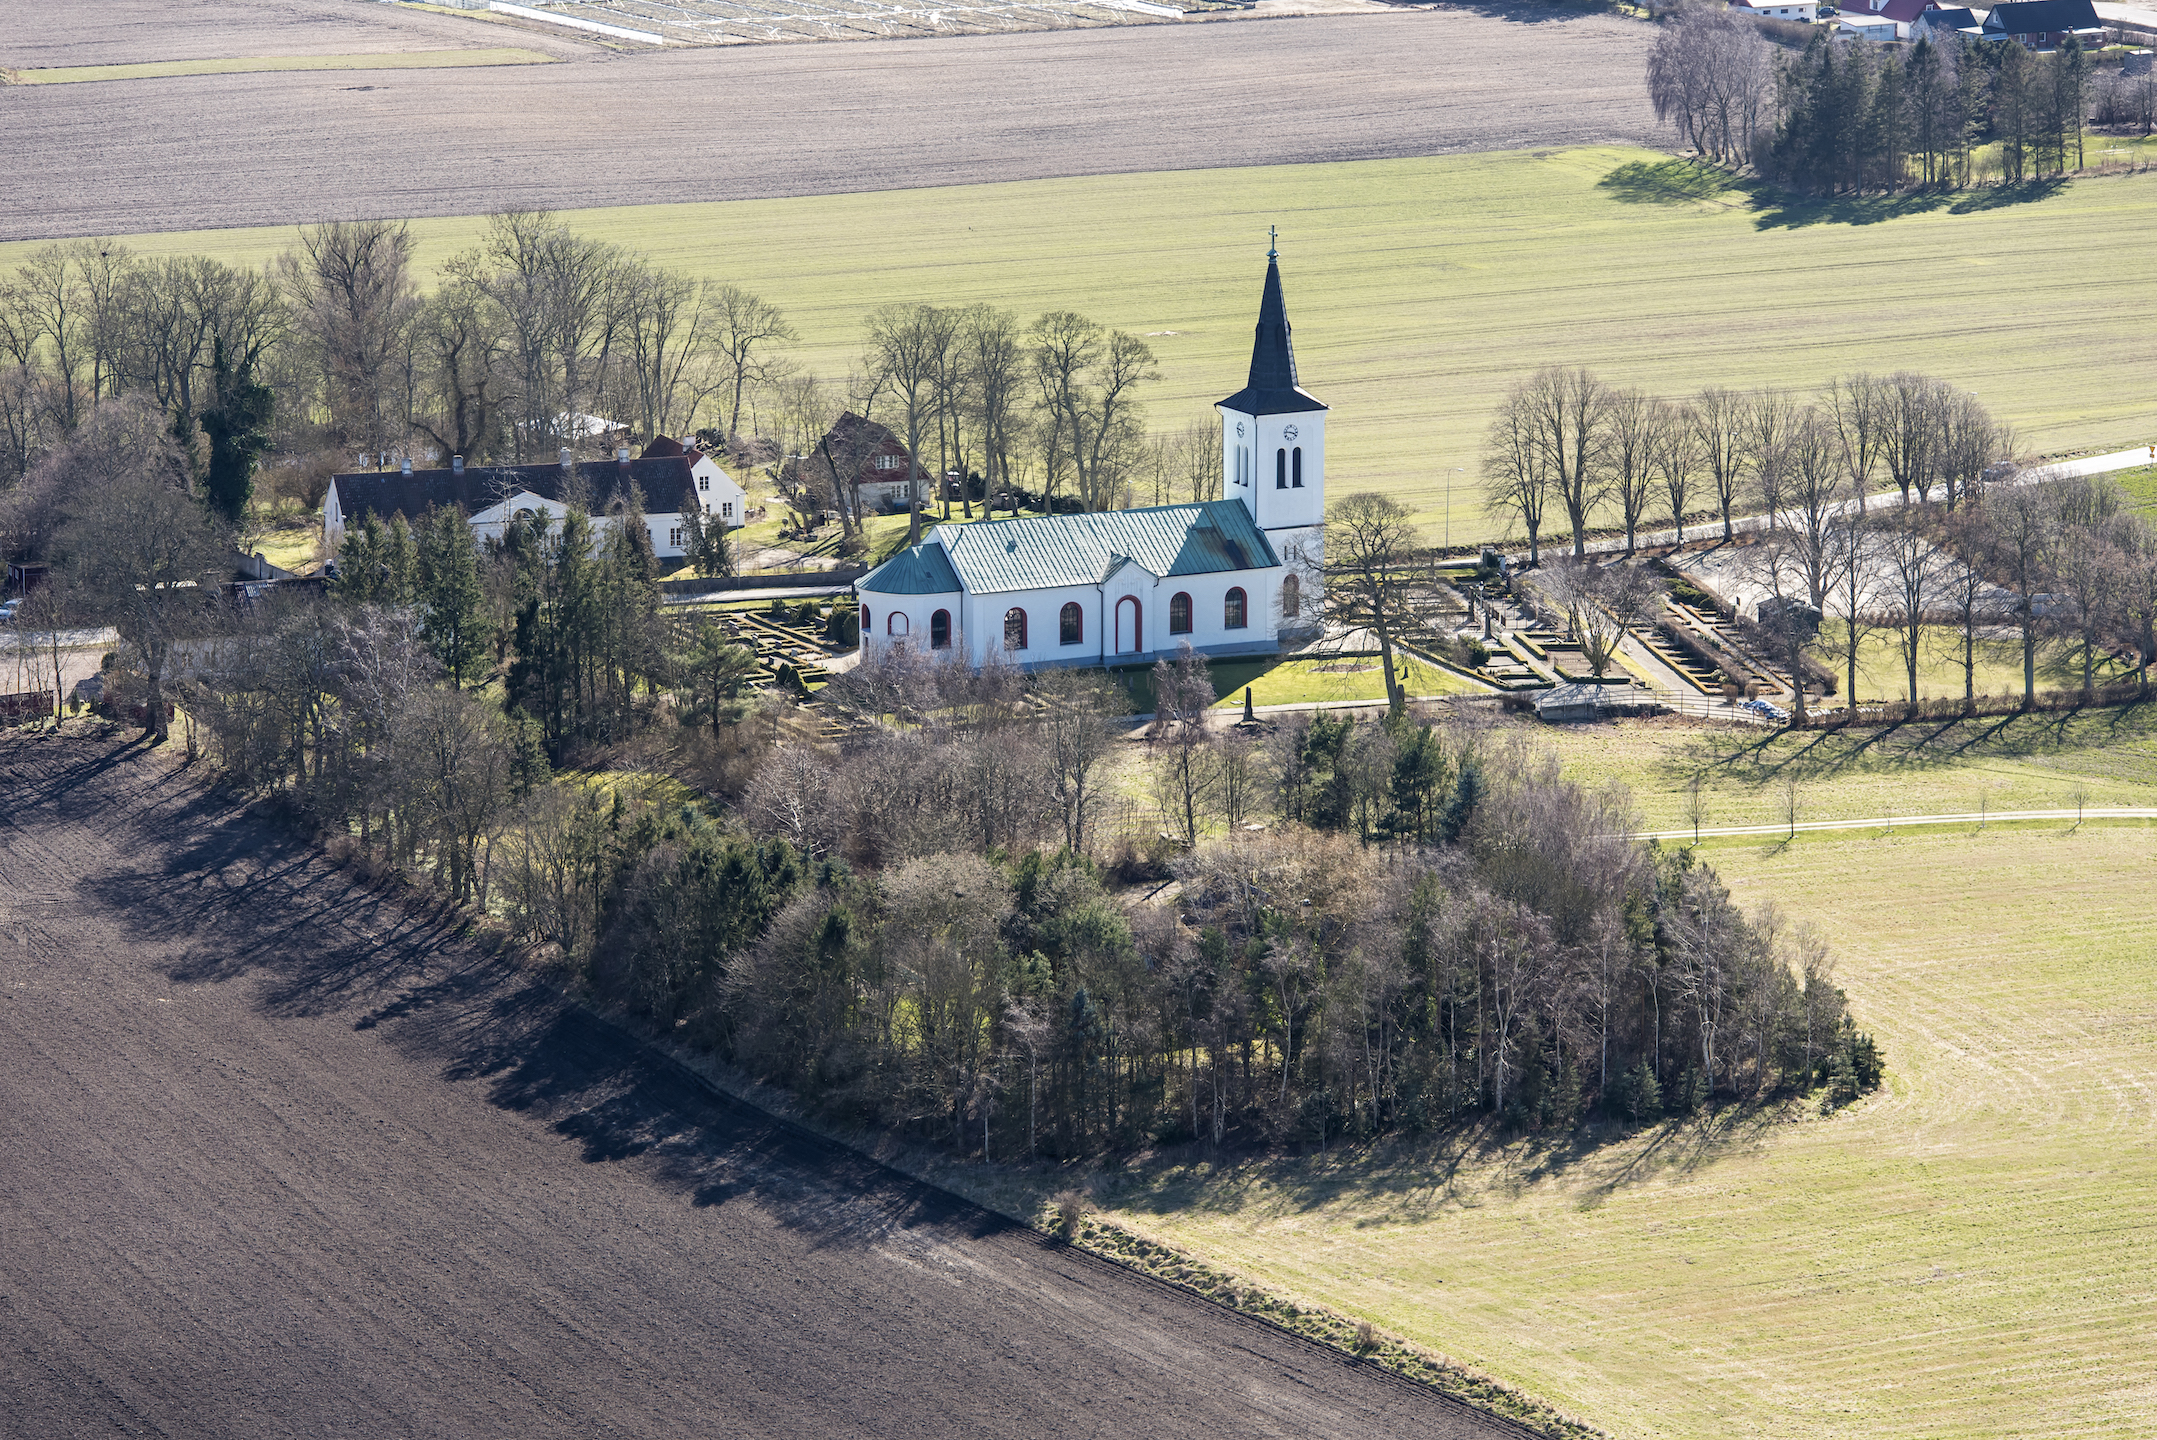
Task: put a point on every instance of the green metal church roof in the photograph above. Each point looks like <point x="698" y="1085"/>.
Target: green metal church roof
<point x="917" y="570"/>
<point x="1046" y="551"/>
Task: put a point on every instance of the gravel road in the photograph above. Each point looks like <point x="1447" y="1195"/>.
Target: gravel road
<point x="280" y="1157"/>
<point x="290" y="147"/>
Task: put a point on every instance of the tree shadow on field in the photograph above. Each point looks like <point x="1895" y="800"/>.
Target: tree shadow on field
<point x="1778" y="209"/>
<point x="218" y="892"/>
<point x="2000" y="197"/>
<point x="1466" y="1167"/>
<point x="1669" y="182"/>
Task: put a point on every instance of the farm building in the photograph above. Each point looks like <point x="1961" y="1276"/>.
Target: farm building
<point x="1123" y="587"/>
<point x="2044" y="24"/>
<point x="670" y="476"/>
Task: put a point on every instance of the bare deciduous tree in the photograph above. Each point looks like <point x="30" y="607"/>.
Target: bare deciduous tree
<point x="1719" y="422"/>
<point x="745" y="328"/>
<point x="352" y="294"/>
<point x="1711" y="76"/>
<point x="1376" y="571"/>
<point x="148" y="561"/>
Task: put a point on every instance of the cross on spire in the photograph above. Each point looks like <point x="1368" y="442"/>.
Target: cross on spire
<point x="1273" y="242"/>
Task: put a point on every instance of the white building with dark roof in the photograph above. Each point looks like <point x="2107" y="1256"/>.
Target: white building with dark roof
<point x="1124" y="587"/>
<point x="670" y="478"/>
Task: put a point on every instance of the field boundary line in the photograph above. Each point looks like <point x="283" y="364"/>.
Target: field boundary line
<point x="1890" y="822"/>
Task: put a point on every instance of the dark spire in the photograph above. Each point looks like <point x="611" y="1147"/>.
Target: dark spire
<point x="1273" y="388"/>
<point x="1273" y="357"/>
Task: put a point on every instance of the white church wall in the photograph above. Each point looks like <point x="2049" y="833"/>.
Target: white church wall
<point x="1264" y="443"/>
<point x="920" y="615"/>
<point x="1209" y="634"/>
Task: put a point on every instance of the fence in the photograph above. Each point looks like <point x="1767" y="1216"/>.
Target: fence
<point x="777" y="580"/>
<point x="27" y="705"/>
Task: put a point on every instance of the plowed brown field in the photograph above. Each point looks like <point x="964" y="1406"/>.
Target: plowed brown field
<point x="281" y="1157"/>
<point x="209" y="151"/>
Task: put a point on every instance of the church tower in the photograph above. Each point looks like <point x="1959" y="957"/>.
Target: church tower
<point x="1273" y="452"/>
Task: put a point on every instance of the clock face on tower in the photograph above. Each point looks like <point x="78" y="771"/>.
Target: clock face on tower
<point x="1289" y="433"/>
<point x="1239" y="429"/>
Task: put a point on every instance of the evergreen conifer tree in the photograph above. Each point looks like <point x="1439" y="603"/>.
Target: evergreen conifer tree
<point x="237" y="421"/>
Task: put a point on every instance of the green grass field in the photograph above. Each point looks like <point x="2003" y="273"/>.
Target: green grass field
<point x="246" y="64"/>
<point x="1421" y="288"/>
<point x="1970" y="1252"/>
<point x="1927" y="767"/>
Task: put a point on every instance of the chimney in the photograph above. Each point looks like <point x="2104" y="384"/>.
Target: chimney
<point x="621" y="456"/>
<point x="456" y="464"/>
<point x="408" y="468"/>
<point x="565" y="457"/>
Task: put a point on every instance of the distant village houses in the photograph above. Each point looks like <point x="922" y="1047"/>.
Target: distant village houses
<point x="672" y="478"/>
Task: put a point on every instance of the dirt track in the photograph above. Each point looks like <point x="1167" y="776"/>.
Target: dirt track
<point x="757" y="121"/>
<point x="280" y="1159"/>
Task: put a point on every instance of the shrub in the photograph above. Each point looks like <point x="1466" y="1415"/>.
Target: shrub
<point x="1072" y="1208"/>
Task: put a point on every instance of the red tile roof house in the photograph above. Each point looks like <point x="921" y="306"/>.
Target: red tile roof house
<point x="870" y="456"/>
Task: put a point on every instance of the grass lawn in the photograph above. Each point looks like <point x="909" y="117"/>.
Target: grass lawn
<point x="1927" y="767"/>
<point x="2141" y="488"/>
<point x="292" y="547"/>
<point x="1969" y="1252"/>
<point x="1347" y="678"/>
<point x="164" y="69"/>
<point x="1421" y="288"/>
<point x="1881" y="675"/>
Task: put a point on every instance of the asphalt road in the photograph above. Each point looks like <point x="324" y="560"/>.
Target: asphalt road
<point x="282" y="1157"/>
<point x="289" y="147"/>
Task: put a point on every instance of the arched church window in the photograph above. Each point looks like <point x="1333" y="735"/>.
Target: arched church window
<point x="1234" y="610"/>
<point x="940" y="629"/>
<point x="1014" y="629"/>
<point x="1280" y="469"/>
<point x="866" y="627"/>
<point x="1291" y="597"/>
<point x="1179" y="614"/>
<point x="1071" y="624"/>
<point x="895" y="624"/>
<point x="1298" y="485"/>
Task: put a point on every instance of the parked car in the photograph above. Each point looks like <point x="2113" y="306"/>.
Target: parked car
<point x="1766" y="709"/>
<point x="7" y="611"/>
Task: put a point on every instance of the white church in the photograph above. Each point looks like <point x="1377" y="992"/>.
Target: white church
<point x="1124" y="587"/>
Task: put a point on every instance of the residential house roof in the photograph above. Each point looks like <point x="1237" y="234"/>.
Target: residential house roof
<point x="1962" y="19"/>
<point x="2042" y="17"/>
<point x="1272" y="388"/>
<point x="1902" y="12"/>
<point x="664" y="480"/>
<point x="1049" y="551"/>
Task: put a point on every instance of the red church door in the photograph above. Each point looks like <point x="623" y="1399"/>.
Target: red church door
<point x="1128" y="626"/>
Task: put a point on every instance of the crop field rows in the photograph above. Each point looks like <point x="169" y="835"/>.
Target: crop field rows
<point x="308" y="1163"/>
<point x="712" y="22"/>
